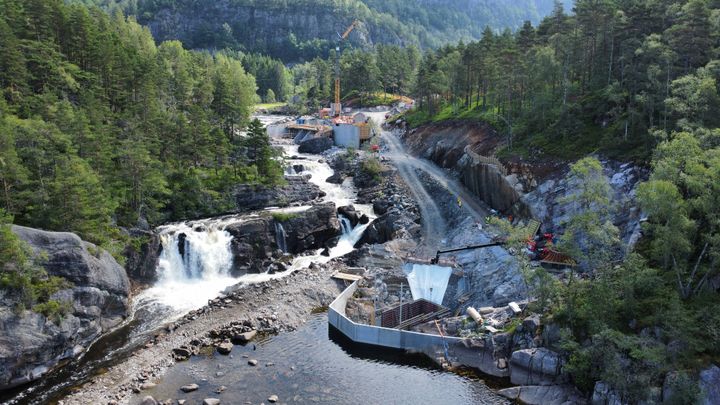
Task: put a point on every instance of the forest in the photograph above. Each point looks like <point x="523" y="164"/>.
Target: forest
<point x="301" y="30"/>
<point x="101" y="128"/>
<point x="630" y="80"/>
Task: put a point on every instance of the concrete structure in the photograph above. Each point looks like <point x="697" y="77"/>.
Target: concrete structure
<point x="467" y="352"/>
<point x="379" y="336"/>
<point x="346" y="135"/>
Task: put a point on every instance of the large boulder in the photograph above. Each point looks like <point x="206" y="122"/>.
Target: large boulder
<point x="143" y="257"/>
<point x="544" y="394"/>
<point x="386" y="227"/>
<point x="315" y="145"/>
<point x="603" y="394"/>
<point x="252" y="245"/>
<point x="250" y="197"/>
<point x="312" y="229"/>
<point x="710" y="385"/>
<point x="31" y="344"/>
<point x="538" y="366"/>
<point x="355" y="217"/>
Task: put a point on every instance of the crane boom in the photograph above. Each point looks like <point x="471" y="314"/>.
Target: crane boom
<point x="436" y="259"/>
<point x="336" y="107"/>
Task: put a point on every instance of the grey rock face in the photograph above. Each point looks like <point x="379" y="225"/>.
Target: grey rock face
<point x="141" y="264"/>
<point x="488" y="183"/>
<point x="710" y="385"/>
<point x="312" y="229"/>
<point x="30" y="344"/>
<point x="545" y="202"/>
<point x="250" y="197"/>
<point x="252" y="244"/>
<point x="544" y="394"/>
<point x="603" y="394"/>
<point x="316" y="145"/>
<point x="536" y="367"/>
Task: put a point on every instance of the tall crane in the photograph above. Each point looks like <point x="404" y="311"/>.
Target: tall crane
<point x="336" y="108"/>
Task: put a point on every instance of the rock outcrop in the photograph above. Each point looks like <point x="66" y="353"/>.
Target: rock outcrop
<point x="316" y="145"/>
<point x="548" y="202"/>
<point x="710" y="385"/>
<point x="386" y="227"/>
<point x="536" y="367"/>
<point x="142" y="260"/>
<point x="312" y="229"/>
<point x="252" y="245"/>
<point x="355" y="217"/>
<point x="30" y="344"/>
<point x="544" y="395"/>
<point x="250" y="197"/>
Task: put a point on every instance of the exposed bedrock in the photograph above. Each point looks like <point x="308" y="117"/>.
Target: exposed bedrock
<point x="30" y="343"/>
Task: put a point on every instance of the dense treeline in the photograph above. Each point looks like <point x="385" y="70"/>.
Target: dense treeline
<point x="387" y="69"/>
<point x="100" y="127"/>
<point x="301" y="30"/>
<point x="630" y="78"/>
<point x="607" y="76"/>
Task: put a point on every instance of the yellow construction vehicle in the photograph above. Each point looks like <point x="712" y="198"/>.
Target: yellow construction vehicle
<point x="336" y="107"/>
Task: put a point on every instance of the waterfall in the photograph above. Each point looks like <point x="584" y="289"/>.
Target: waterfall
<point x="194" y="266"/>
<point x="350" y="236"/>
<point x="345" y="224"/>
<point x="194" y="253"/>
<point x="280" y="237"/>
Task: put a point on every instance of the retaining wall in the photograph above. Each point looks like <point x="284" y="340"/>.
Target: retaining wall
<point x="480" y="355"/>
<point x="377" y="335"/>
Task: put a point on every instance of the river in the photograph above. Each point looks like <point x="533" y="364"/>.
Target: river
<point x="318" y="365"/>
<point x="194" y="267"/>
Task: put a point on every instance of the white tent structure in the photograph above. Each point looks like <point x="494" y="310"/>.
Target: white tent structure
<point x="429" y="282"/>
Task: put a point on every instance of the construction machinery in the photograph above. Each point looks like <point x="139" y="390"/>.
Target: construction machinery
<point x="436" y="259"/>
<point x="336" y="107"/>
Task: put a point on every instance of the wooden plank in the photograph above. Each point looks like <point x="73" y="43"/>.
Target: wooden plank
<point x="346" y="276"/>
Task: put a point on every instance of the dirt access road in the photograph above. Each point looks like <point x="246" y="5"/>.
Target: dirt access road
<point x="435" y="226"/>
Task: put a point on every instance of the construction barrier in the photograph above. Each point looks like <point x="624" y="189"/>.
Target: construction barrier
<point x="379" y="336"/>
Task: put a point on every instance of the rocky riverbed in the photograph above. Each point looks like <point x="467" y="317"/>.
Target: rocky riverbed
<point x="270" y="307"/>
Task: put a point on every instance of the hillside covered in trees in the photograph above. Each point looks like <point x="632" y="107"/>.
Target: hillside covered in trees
<point x="630" y="80"/>
<point x="300" y="30"/>
<point x="100" y="126"/>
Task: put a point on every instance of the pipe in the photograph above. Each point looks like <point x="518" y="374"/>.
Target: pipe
<point x="475" y="315"/>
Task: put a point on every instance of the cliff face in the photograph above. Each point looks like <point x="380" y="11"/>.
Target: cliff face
<point x="30" y="344"/>
<point x="299" y="29"/>
<point x="537" y="190"/>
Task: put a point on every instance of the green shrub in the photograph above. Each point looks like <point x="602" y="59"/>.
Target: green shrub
<point x="27" y="284"/>
<point x="372" y="167"/>
<point x="283" y="216"/>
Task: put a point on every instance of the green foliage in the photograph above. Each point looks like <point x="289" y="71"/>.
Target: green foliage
<point x="100" y="127"/>
<point x="26" y="284"/>
<point x="565" y="88"/>
<point x="372" y="167"/>
<point x="283" y="216"/>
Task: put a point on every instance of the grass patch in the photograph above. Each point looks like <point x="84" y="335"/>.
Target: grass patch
<point x="374" y="99"/>
<point x="269" y="106"/>
<point x="283" y="216"/>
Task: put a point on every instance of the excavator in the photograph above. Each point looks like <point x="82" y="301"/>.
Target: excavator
<point x="336" y="107"/>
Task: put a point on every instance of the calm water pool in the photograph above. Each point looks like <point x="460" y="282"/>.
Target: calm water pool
<point x="315" y="365"/>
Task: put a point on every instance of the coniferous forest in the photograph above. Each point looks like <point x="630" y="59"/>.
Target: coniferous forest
<point x="104" y="129"/>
